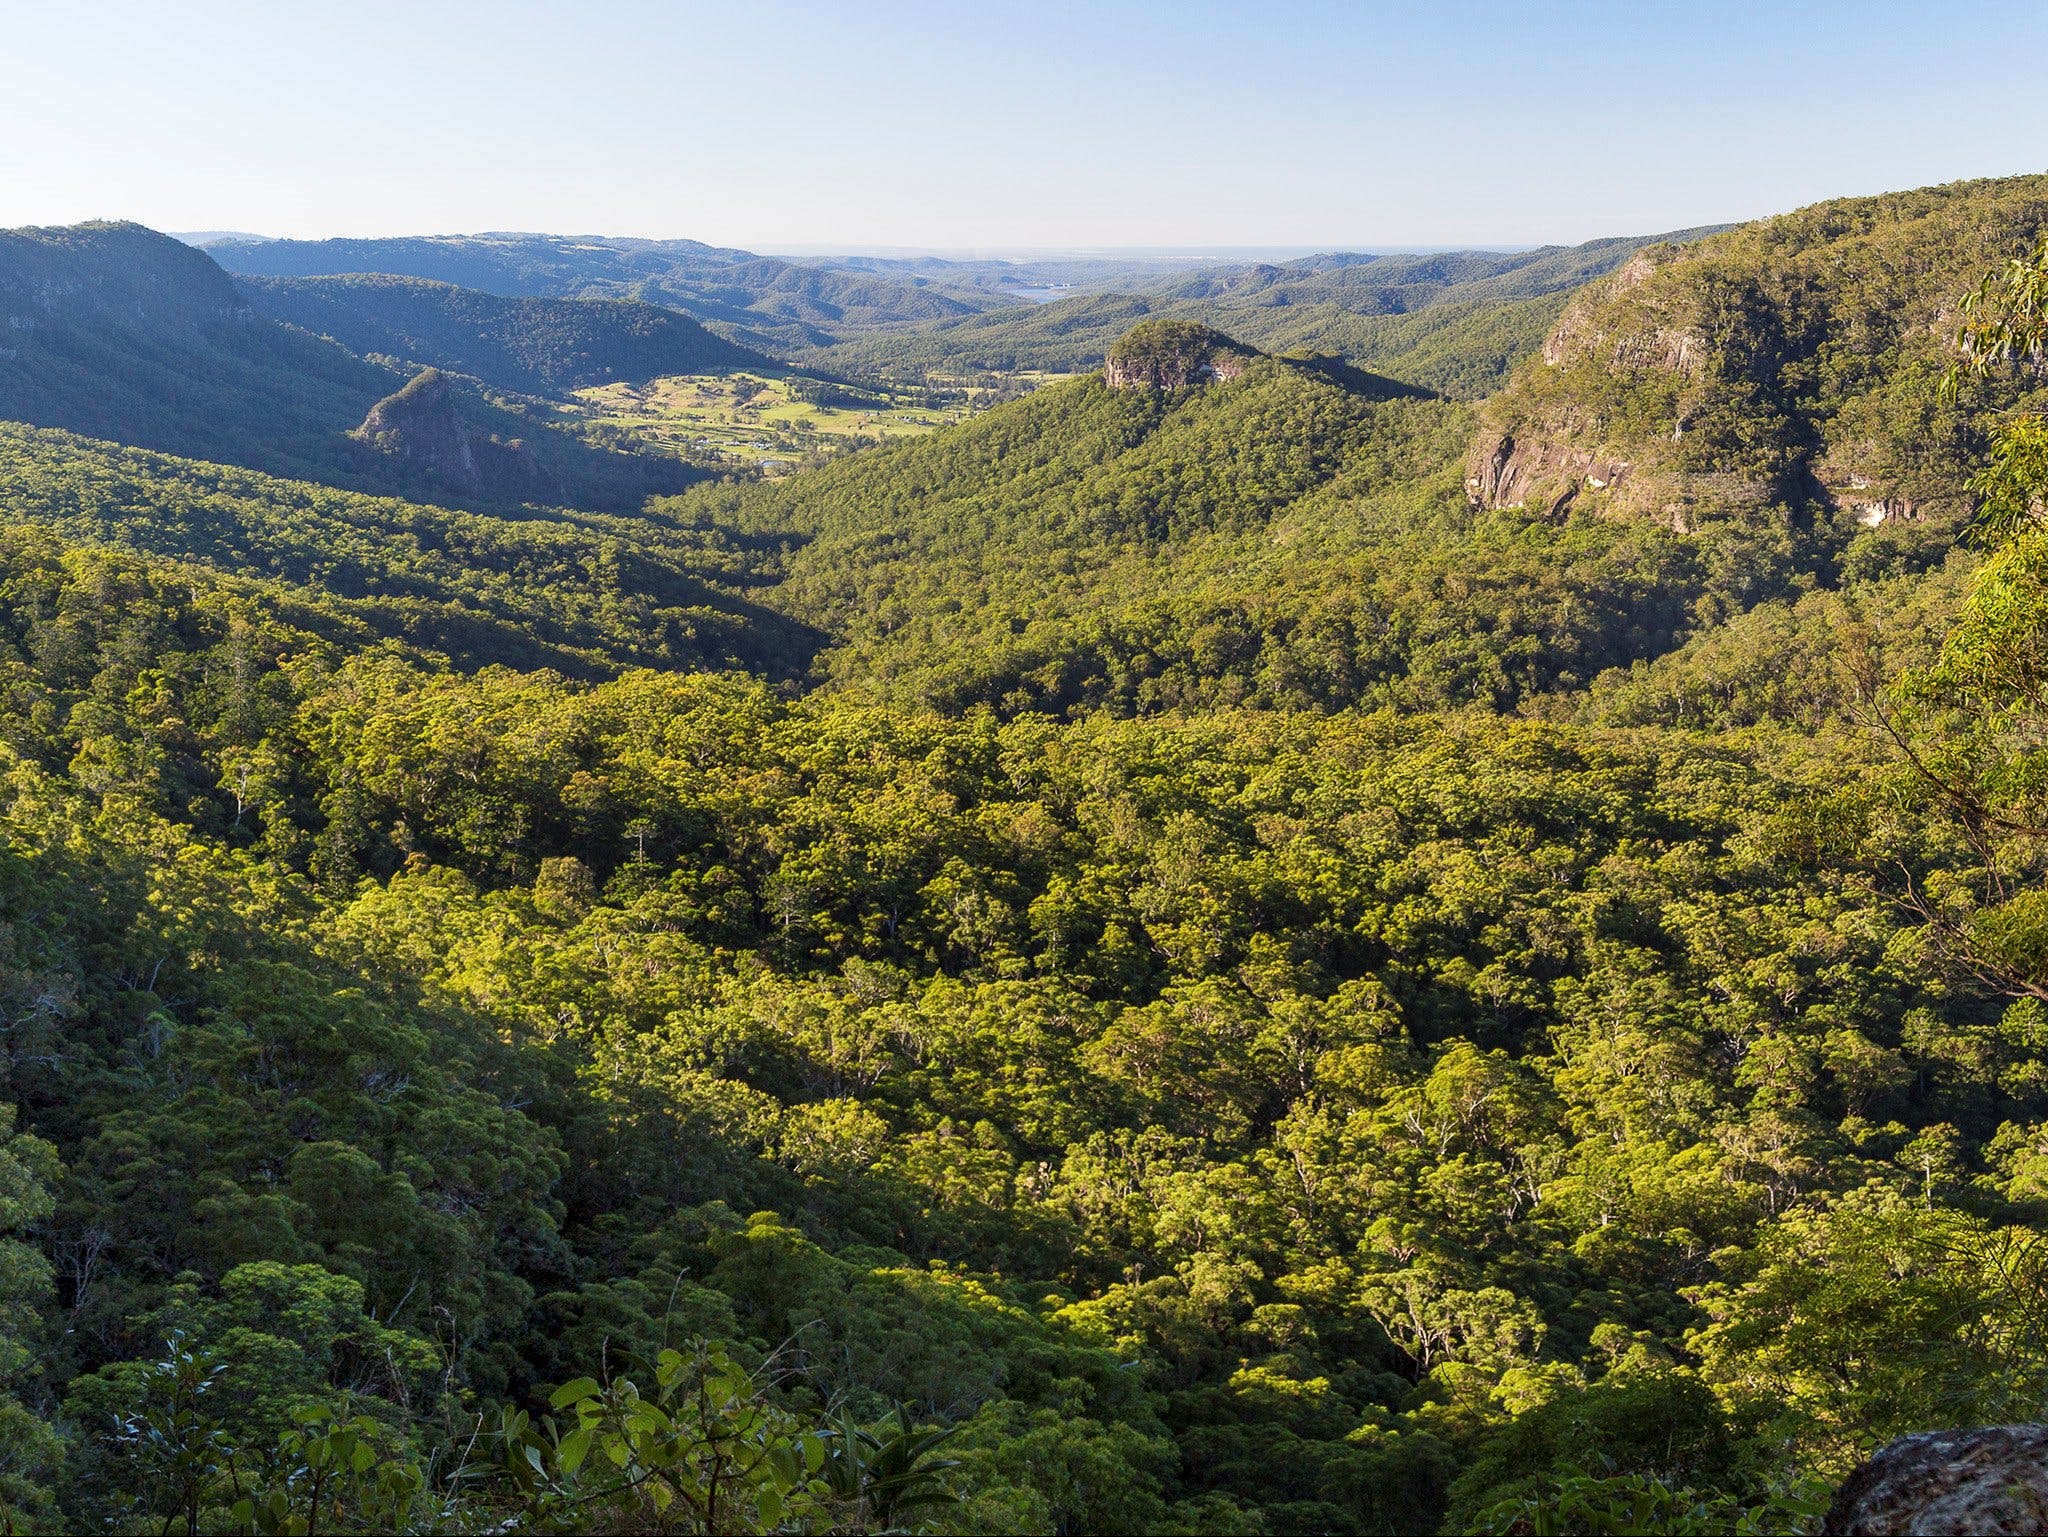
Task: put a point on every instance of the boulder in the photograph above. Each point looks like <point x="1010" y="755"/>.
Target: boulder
<point x="1993" y="1480"/>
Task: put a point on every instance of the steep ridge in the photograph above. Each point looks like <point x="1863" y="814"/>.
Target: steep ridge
<point x="1790" y="363"/>
<point x="117" y="331"/>
<point x="536" y="345"/>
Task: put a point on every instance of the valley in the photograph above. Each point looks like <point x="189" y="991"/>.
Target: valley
<point x="776" y="421"/>
<point x="1369" y="893"/>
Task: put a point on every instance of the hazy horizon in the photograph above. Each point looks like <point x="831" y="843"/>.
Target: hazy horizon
<point x="811" y="251"/>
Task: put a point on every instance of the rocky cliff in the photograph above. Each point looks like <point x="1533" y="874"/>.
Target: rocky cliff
<point x="1790" y="363"/>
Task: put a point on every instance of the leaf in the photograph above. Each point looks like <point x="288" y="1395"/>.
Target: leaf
<point x="574" y="1392"/>
<point x="574" y="1448"/>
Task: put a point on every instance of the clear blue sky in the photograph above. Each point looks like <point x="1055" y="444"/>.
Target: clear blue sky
<point x="1013" y="125"/>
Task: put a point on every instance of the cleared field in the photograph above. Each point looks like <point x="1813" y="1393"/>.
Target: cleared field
<point x="775" y="422"/>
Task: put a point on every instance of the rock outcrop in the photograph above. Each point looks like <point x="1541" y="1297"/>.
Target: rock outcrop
<point x="1993" y="1480"/>
<point x="1786" y="364"/>
<point x="1173" y="355"/>
<point x="424" y="425"/>
<point x="1546" y="475"/>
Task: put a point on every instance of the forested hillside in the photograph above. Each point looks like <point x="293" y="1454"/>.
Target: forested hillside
<point x="1296" y="536"/>
<point x="1161" y="959"/>
<point x="1791" y="362"/>
<point x="585" y="593"/>
<point x="115" y="331"/>
<point x="542" y="346"/>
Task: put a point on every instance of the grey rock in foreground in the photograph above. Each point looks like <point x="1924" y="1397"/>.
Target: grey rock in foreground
<point x="1993" y="1480"/>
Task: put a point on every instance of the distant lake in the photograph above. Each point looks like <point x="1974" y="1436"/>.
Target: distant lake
<point x="1042" y="295"/>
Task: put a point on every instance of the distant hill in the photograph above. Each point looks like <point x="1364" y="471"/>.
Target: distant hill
<point x="1337" y="303"/>
<point x="1035" y="274"/>
<point x="1369" y="283"/>
<point x="119" y="332"/>
<point x="1463" y="348"/>
<point x="535" y="345"/>
<point x="207" y="237"/>
<point x="757" y="300"/>
<point x="1790" y="364"/>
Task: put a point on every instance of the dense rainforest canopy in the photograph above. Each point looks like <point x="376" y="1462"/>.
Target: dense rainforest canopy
<point x="1145" y="962"/>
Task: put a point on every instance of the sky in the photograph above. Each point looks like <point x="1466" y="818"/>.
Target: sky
<point x="964" y="126"/>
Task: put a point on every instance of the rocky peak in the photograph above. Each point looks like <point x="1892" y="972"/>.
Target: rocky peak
<point x="1173" y="355"/>
<point x="424" y="423"/>
<point x="421" y="422"/>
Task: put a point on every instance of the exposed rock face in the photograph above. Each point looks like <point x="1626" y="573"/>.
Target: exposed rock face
<point x="1173" y="355"/>
<point x="1993" y="1480"/>
<point x="423" y="423"/>
<point x="420" y="423"/>
<point x="1550" y="442"/>
<point x="1883" y="510"/>
<point x="1547" y="474"/>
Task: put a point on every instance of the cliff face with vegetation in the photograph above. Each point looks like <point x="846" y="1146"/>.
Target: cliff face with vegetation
<point x="1789" y="363"/>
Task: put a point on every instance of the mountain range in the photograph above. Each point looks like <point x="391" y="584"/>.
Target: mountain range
<point x="759" y="301"/>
